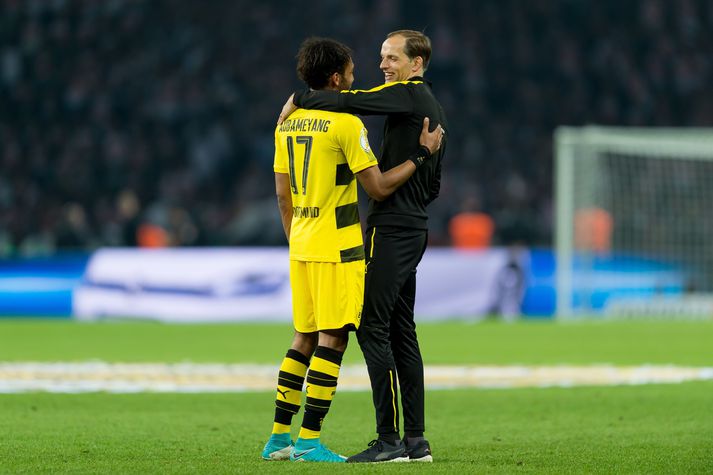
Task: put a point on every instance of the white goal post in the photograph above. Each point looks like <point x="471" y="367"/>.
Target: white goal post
<point x="633" y="217"/>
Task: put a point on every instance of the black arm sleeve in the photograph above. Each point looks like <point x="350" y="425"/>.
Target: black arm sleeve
<point x="394" y="99"/>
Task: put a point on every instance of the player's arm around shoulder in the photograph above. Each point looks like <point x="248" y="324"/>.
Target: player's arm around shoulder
<point x="380" y="186"/>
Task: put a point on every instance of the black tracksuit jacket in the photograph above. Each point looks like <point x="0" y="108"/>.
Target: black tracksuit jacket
<point x="405" y="104"/>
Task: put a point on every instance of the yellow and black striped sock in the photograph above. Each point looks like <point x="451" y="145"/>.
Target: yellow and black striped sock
<point x="289" y="390"/>
<point x="321" y="386"/>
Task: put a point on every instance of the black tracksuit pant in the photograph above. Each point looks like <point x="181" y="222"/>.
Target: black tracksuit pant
<point x="387" y="333"/>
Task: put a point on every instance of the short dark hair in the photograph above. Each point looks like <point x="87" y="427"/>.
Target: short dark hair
<point x="417" y="44"/>
<point x="319" y="58"/>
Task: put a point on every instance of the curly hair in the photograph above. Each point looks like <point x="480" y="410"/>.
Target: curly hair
<point x="319" y="58"/>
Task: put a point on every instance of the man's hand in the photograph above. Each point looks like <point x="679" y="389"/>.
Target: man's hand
<point x="430" y="140"/>
<point x="287" y="109"/>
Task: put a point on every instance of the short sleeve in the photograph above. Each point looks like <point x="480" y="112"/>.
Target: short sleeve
<point x="354" y="140"/>
<point x="280" y="163"/>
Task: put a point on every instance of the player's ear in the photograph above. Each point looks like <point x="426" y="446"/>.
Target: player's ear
<point x="417" y="63"/>
<point x="335" y="79"/>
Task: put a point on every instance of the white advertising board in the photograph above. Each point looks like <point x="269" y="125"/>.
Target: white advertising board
<point x="241" y="284"/>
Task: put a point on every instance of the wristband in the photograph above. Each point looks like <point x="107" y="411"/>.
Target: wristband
<point x="420" y="156"/>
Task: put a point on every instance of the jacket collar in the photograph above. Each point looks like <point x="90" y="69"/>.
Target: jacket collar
<point x="420" y="78"/>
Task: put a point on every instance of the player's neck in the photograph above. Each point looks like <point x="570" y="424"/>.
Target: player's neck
<point x="331" y="87"/>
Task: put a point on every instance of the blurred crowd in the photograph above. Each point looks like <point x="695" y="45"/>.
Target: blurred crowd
<point x="150" y="122"/>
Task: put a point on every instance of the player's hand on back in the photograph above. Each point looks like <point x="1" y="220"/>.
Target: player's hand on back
<point x="287" y="109"/>
<point x="431" y="140"/>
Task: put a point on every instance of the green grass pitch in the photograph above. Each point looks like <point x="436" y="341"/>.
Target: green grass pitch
<point x="625" y="429"/>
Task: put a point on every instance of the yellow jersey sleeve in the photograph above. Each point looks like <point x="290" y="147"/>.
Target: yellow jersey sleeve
<point x="354" y="141"/>
<point x="280" y="162"/>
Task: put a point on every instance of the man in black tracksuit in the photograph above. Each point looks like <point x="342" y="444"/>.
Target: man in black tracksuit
<point x="396" y="239"/>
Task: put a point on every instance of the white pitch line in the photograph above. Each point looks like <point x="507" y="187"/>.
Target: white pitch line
<point x="206" y="378"/>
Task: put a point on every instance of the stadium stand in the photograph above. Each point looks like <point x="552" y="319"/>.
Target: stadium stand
<point x="123" y="115"/>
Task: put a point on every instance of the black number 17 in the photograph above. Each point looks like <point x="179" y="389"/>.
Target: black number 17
<point x="307" y="142"/>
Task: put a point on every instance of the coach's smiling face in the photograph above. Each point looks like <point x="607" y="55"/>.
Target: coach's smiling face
<point x="395" y="64"/>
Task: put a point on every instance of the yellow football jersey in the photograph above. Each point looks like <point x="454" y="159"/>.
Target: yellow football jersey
<point x="321" y="151"/>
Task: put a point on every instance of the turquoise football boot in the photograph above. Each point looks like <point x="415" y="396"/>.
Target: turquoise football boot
<point x="278" y="447"/>
<point x="311" y="450"/>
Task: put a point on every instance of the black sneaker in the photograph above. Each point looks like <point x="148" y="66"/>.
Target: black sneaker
<point x="419" y="452"/>
<point x="380" y="451"/>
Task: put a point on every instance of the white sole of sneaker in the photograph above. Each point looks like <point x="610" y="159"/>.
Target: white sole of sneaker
<point x="396" y="460"/>
<point x="427" y="458"/>
<point x="279" y="455"/>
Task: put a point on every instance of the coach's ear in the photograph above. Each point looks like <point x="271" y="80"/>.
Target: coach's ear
<point x="417" y="64"/>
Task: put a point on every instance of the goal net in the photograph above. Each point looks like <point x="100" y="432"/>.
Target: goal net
<point x="634" y="221"/>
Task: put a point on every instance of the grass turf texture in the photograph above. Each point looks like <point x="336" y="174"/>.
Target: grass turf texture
<point x="654" y="429"/>
<point x="633" y="429"/>
<point x="623" y="343"/>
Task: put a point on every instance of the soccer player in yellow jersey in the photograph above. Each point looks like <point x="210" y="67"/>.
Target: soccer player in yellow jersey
<point x="317" y="157"/>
